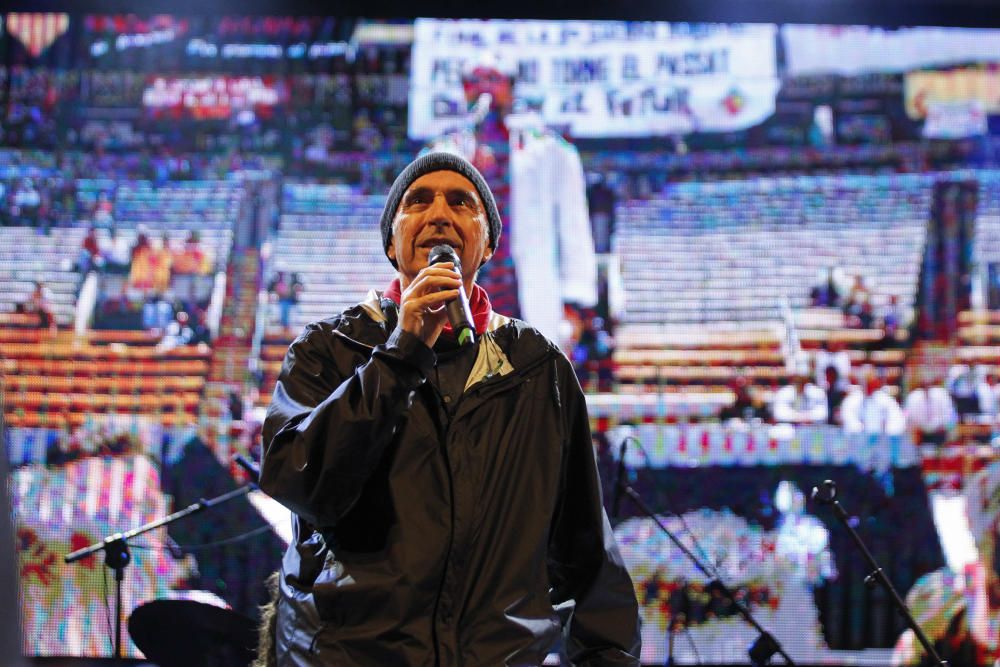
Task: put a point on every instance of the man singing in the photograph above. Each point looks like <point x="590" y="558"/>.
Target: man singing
<point x="447" y="500"/>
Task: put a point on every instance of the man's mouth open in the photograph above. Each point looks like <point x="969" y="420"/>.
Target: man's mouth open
<point x="430" y="243"/>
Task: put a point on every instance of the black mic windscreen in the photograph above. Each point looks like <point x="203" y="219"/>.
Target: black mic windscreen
<point x="444" y="253"/>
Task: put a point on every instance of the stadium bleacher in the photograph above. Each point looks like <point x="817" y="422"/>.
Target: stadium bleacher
<point x="175" y="208"/>
<point x="732" y="251"/>
<point x="58" y="381"/>
<point x="717" y="239"/>
<point x="27" y="256"/>
<point x="327" y="236"/>
<point x="723" y="261"/>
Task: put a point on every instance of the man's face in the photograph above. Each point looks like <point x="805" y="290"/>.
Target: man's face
<point x="489" y="80"/>
<point x="440" y="207"/>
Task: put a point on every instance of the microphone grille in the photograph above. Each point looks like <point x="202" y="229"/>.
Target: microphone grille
<point x="444" y="253"/>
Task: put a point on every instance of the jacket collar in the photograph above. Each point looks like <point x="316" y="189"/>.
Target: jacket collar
<point x="491" y="361"/>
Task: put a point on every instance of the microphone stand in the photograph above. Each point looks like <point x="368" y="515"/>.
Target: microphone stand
<point x="671" y="631"/>
<point x="826" y="494"/>
<point x="766" y="645"/>
<point x="117" y="556"/>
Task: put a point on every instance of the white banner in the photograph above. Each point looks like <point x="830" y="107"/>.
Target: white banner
<point x="600" y="78"/>
<point x="853" y="50"/>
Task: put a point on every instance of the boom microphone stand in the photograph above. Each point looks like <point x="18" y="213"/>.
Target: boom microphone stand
<point x="766" y="645"/>
<point x="826" y="494"/>
<point x="117" y="556"/>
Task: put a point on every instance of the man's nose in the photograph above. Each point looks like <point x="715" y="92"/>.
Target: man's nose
<point x="439" y="213"/>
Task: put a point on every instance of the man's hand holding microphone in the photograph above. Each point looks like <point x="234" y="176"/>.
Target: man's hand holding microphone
<point x="436" y="297"/>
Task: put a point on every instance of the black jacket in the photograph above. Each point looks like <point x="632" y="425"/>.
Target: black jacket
<point x="429" y="538"/>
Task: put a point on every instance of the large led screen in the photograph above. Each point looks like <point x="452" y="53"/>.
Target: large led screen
<point x="771" y="253"/>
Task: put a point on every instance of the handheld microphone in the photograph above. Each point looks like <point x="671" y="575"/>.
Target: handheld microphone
<point x="619" y="480"/>
<point x="459" y="313"/>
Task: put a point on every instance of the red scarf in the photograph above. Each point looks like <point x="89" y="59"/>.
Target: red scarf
<point x="479" y="303"/>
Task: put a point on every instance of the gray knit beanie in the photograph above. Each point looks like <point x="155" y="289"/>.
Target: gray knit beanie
<point x="439" y="161"/>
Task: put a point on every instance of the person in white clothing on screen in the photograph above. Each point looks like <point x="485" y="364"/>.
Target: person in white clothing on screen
<point x="871" y="412"/>
<point x="930" y="413"/>
<point x="800" y="401"/>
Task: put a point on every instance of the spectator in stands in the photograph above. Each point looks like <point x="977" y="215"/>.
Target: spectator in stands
<point x="161" y="260"/>
<point x="178" y="332"/>
<point x="141" y="241"/>
<point x="157" y="313"/>
<point x="873" y="414"/>
<point x="189" y="262"/>
<point x="866" y="313"/>
<point x="993" y="380"/>
<point x="63" y="190"/>
<point x="282" y="291"/>
<point x="117" y="254"/>
<point x="26" y="202"/>
<point x="367" y="136"/>
<point x="836" y="389"/>
<point x="962" y="387"/>
<point x="298" y="288"/>
<point x="870" y="409"/>
<point x="235" y="404"/>
<point x="825" y="293"/>
<point x="986" y="393"/>
<point x="746" y="406"/>
<point x="930" y="413"/>
<point x="191" y="259"/>
<point x="199" y="323"/>
<point x="103" y="209"/>
<point x="141" y="272"/>
<point x="571" y="332"/>
<point x="320" y="141"/>
<point x="595" y="345"/>
<point x="800" y="401"/>
<point x="858" y="306"/>
<point x="832" y="353"/>
<point x="40" y="303"/>
<point x="62" y="449"/>
<point x="893" y="331"/>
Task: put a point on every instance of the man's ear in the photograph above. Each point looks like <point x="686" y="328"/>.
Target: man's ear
<point x="390" y="252"/>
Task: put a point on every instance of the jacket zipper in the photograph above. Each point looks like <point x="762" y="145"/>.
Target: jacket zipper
<point x="451" y="525"/>
<point x="358" y="343"/>
<point x="502" y="383"/>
